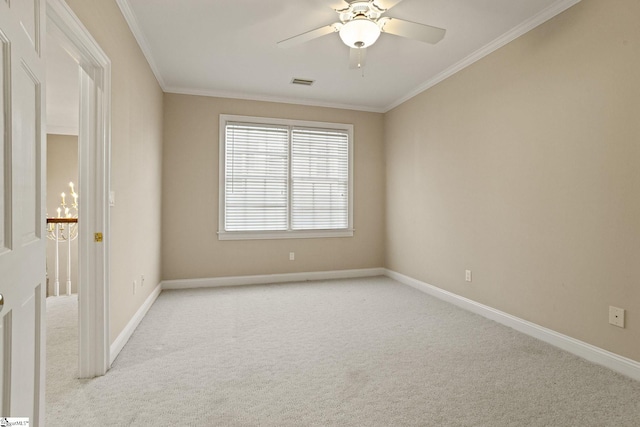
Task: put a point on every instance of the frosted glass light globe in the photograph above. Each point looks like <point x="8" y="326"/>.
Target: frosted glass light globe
<point x="361" y="32"/>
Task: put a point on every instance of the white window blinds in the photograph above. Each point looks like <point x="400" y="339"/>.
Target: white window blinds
<point x="319" y="179"/>
<point x="284" y="178"/>
<point x="256" y="176"/>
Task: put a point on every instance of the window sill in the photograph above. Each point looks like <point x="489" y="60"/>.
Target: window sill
<point x="273" y="235"/>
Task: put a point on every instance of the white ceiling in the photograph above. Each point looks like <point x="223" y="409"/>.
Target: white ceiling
<point x="228" y="47"/>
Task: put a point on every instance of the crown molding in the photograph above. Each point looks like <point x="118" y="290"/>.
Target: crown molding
<point x="519" y="30"/>
<point x="130" y="17"/>
<point x="267" y="98"/>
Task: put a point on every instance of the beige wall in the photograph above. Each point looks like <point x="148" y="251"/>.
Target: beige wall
<point x="524" y="169"/>
<point x="136" y="160"/>
<point x="190" y="246"/>
<point x="62" y="168"/>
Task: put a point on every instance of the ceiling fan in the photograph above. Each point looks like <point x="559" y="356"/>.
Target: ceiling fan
<point x="360" y="25"/>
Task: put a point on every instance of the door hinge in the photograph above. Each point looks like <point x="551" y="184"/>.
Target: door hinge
<point x="98" y="237"/>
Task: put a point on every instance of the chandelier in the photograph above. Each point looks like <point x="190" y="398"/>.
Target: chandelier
<point x="64" y="228"/>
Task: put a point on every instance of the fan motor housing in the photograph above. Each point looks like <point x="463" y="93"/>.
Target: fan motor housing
<point x="358" y="8"/>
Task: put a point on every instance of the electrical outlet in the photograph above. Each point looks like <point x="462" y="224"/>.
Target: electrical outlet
<point x="134" y="287"/>
<point x="616" y="316"/>
<point x="292" y="256"/>
<point x="467" y="275"/>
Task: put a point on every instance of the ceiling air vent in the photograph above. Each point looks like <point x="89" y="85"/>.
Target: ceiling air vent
<point x="303" y="82"/>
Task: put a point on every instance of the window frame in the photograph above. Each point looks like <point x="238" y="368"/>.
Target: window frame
<point x="289" y="233"/>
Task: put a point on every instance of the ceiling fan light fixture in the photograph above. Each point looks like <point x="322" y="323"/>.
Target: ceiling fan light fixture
<point x="360" y="32"/>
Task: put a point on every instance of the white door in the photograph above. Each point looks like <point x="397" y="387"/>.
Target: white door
<point x="22" y="216"/>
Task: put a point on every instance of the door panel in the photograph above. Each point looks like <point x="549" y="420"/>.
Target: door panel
<point x="4" y="100"/>
<point x="26" y="113"/>
<point x="22" y="396"/>
<point x="5" y="340"/>
<point x="26" y="11"/>
<point x="22" y="262"/>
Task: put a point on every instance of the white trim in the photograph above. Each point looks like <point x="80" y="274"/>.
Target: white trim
<point x="271" y="98"/>
<point x="130" y="17"/>
<point x="280" y="234"/>
<point x="62" y="130"/>
<point x="129" y="329"/>
<point x="594" y="354"/>
<point x="214" y="282"/>
<point x="269" y="235"/>
<point x="519" y="30"/>
<point x="94" y="143"/>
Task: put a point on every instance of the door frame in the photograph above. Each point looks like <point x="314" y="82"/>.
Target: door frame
<point x="94" y="166"/>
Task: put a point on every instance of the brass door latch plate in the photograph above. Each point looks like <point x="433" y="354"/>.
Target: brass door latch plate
<point x="98" y="237"/>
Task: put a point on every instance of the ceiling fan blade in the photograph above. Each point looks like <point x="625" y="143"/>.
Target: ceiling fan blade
<point x="339" y="4"/>
<point x="412" y="30"/>
<point x="309" y="35"/>
<point x="386" y="4"/>
<point x="357" y="58"/>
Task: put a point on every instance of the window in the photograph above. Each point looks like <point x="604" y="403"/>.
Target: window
<point x="284" y="179"/>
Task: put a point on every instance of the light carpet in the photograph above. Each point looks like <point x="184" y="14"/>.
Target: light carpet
<point x="362" y="352"/>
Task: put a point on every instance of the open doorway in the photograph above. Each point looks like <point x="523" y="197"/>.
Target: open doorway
<point x="62" y="120"/>
<point x="93" y="69"/>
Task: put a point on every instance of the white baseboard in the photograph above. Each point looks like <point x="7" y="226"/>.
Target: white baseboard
<point x="128" y="330"/>
<point x="213" y="282"/>
<point x="594" y="354"/>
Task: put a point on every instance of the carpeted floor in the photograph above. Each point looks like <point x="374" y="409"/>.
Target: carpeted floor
<point x="363" y="352"/>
